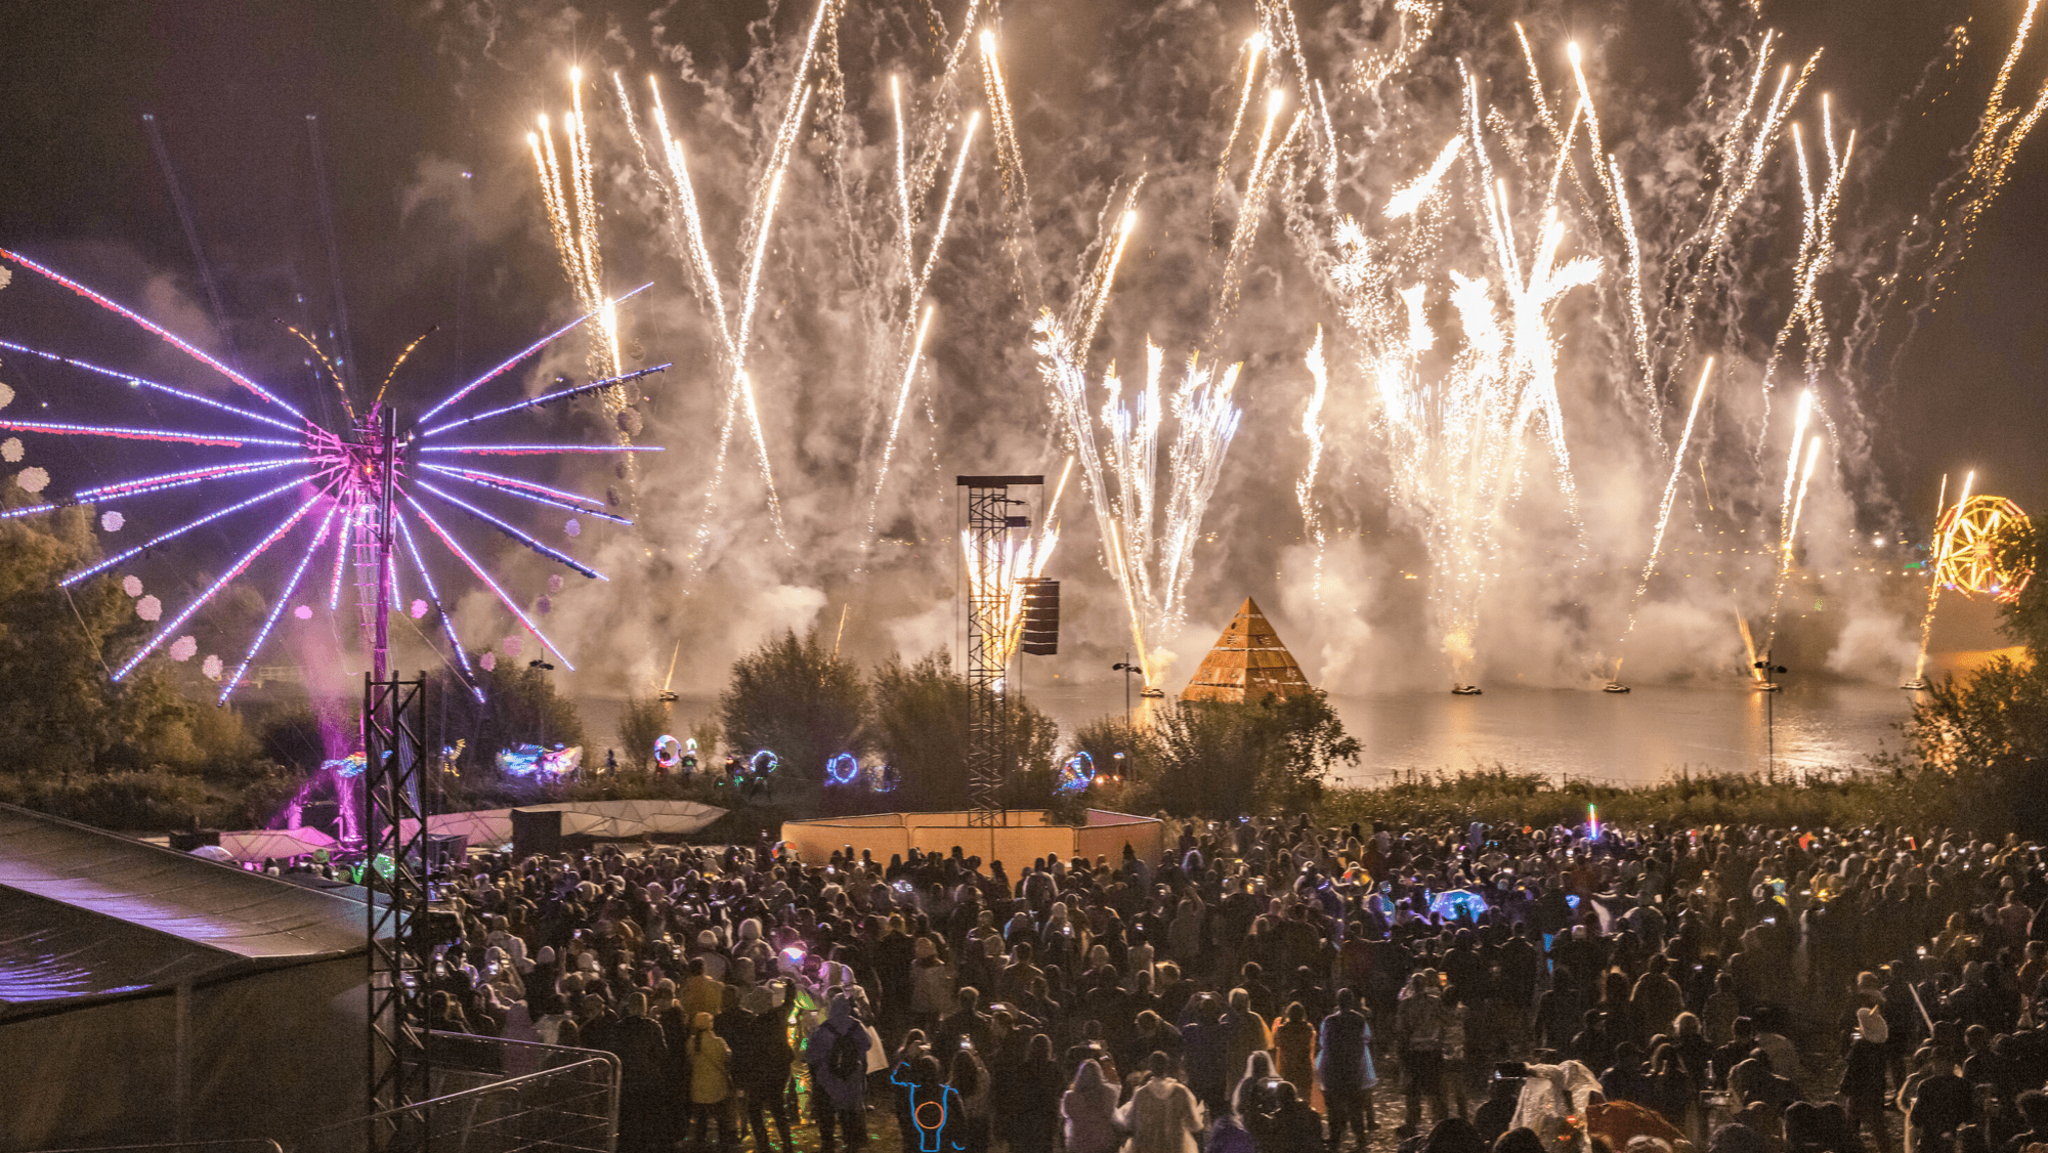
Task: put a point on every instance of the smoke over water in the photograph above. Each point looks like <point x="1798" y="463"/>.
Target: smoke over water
<point x="1514" y="255"/>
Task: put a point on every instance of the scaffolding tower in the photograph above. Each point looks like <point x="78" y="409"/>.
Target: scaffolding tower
<point x="989" y="522"/>
<point x="394" y="822"/>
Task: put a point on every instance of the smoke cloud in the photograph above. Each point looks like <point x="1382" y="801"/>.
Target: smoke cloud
<point x="1105" y="94"/>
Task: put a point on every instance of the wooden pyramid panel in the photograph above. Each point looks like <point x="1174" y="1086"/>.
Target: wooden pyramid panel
<point x="1247" y="662"/>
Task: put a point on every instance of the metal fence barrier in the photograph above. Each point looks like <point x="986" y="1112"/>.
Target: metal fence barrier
<point x="492" y="1095"/>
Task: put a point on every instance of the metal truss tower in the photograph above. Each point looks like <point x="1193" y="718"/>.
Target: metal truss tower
<point x="989" y="522"/>
<point x="394" y="732"/>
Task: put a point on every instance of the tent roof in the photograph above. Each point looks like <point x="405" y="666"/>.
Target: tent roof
<point x="232" y="912"/>
<point x="1247" y="662"/>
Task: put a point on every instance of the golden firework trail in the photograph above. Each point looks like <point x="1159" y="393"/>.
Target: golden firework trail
<point x="735" y="331"/>
<point x="1312" y="432"/>
<point x="896" y="418"/>
<point x="917" y="276"/>
<point x="1265" y="162"/>
<point x="1096" y="296"/>
<point x="2001" y="129"/>
<point x="1692" y="417"/>
<point x="570" y="200"/>
<point x="1792" y="534"/>
<point x="1937" y="549"/>
<point x="1149" y="536"/>
<point x="1010" y="162"/>
<point x="1253" y="46"/>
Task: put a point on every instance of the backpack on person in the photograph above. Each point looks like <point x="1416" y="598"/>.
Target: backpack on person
<point x="844" y="1060"/>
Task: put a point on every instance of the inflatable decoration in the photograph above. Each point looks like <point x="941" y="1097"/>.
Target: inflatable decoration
<point x="534" y="761"/>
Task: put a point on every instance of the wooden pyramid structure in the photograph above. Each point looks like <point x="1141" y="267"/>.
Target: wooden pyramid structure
<point x="1247" y="663"/>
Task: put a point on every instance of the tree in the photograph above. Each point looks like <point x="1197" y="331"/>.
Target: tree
<point x="520" y="707"/>
<point x="1221" y="758"/>
<point x="1987" y="734"/>
<point x="798" y="699"/>
<point x="922" y="715"/>
<point x="61" y="710"/>
<point x="642" y="722"/>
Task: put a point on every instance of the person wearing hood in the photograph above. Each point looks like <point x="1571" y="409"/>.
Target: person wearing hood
<point x="760" y="1065"/>
<point x="710" y="1083"/>
<point x="837" y="1053"/>
<point x="1551" y="1094"/>
<point x="1161" y="1116"/>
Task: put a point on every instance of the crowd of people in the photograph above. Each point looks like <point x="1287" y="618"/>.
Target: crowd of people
<point x="1275" y="987"/>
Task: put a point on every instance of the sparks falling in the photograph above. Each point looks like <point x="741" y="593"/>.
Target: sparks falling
<point x="1149" y="535"/>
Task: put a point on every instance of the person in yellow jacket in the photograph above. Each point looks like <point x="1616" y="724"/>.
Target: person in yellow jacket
<point x="710" y="1083"/>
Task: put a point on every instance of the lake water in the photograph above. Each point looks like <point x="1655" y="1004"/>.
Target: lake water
<point x="1639" y="737"/>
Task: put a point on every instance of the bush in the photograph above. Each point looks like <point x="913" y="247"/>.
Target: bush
<point x="1502" y="797"/>
<point x="798" y="699"/>
<point x="1219" y="758"/>
<point x="921" y="726"/>
<point x="127" y="802"/>
<point x="641" y="724"/>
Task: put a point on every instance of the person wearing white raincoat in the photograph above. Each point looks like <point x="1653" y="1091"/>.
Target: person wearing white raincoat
<point x="1552" y="1093"/>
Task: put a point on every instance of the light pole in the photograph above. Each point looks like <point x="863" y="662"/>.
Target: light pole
<point x="1768" y="673"/>
<point x="1127" y="668"/>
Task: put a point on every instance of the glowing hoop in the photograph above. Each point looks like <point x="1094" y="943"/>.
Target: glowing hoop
<point x="668" y="751"/>
<point x="1967" y="546"/>
<point x="1077" y="774"/>
<point x="885" y="778"/>
<point x="842" y="770"/>
<point x="763" y="763"/>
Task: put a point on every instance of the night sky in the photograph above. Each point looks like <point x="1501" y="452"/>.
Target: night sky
<point x="422" y="114"/>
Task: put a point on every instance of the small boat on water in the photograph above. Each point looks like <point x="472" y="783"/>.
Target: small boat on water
<point x="1155" y="694"/>
<point x="1915" y="686"/>
<point x="1765" y="686"/>
<point x="1464" y="690"/>
<point x="1614" y="687"/>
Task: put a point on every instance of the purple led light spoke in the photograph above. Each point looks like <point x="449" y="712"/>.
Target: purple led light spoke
<point x="131" y="378"/>
<point x="152" y="326"/>
<point x="537" y="449"/>
<point x="348" y="525"/>
<point x="284" y="598"/>
<point x="165" y="435"/>
<point x="431" y="523"/>
<point x="543" y="342"/>
<point x="576" y="504"/>
<point x="434" y="596"/>
<point x="27" y="510"/>
<point x="162" y="481"/>
<point x="213" y="589"/>
<point x="514" y="533"/>
<point x="181" y="530"/>
<point x="547" y="398"/>
<point x="477" y="474"/>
